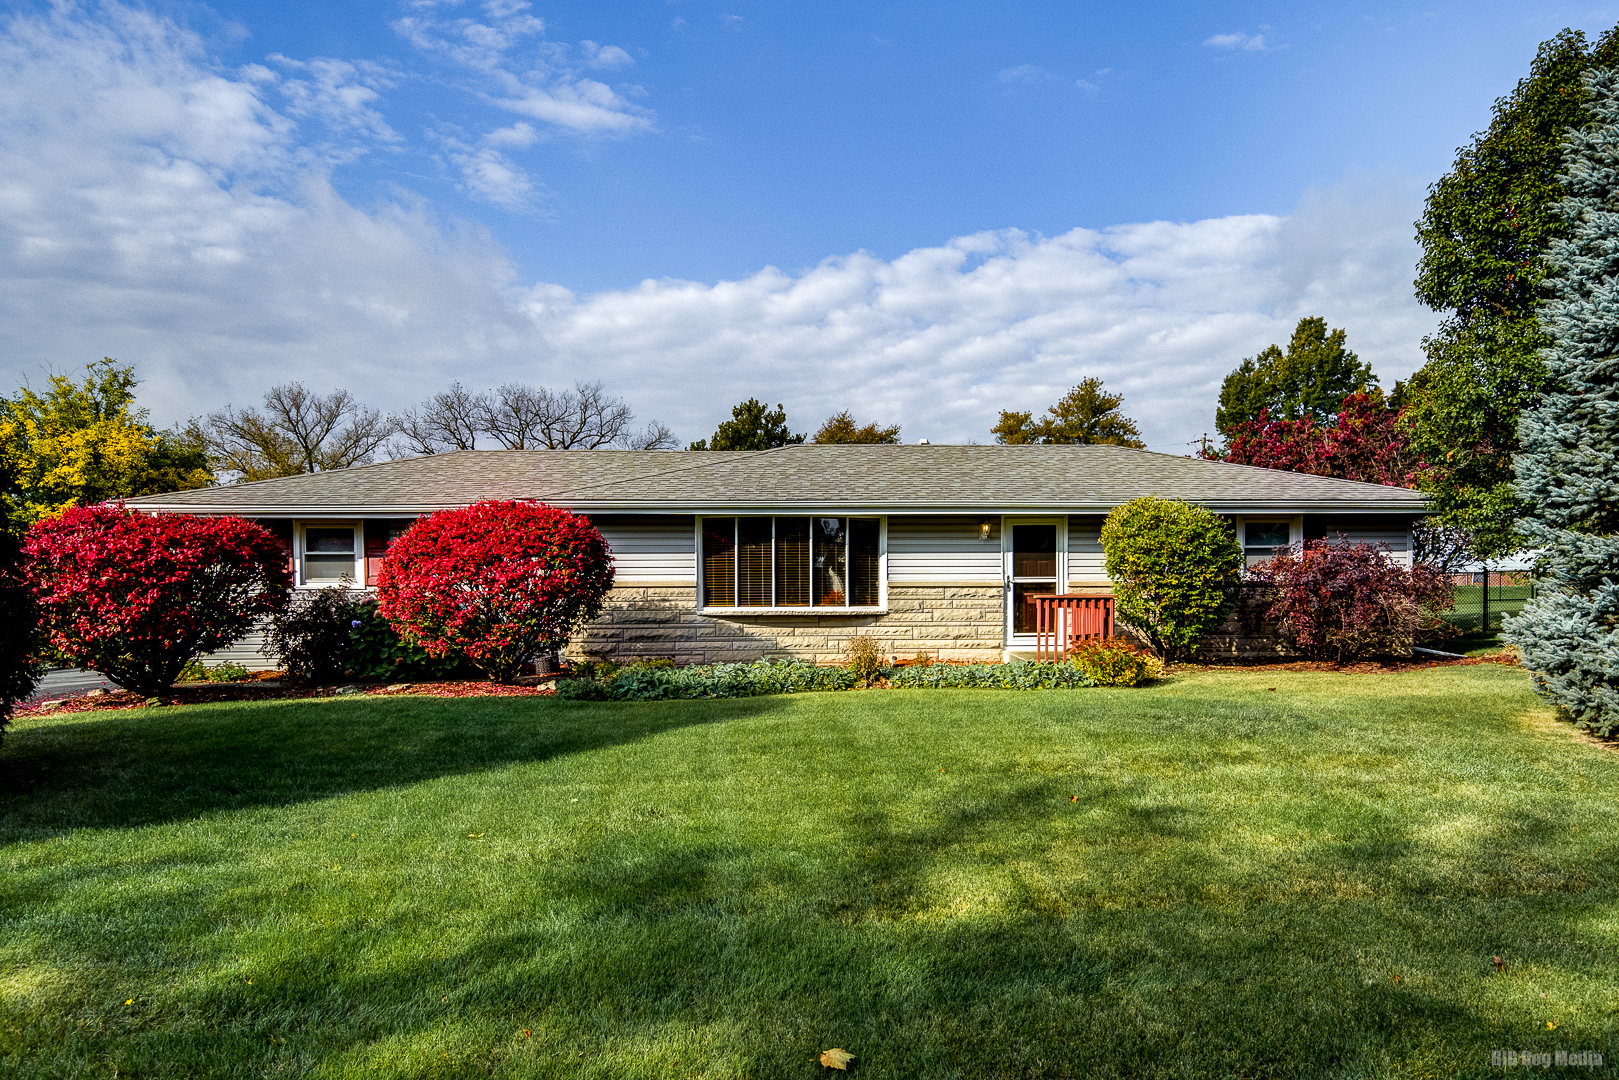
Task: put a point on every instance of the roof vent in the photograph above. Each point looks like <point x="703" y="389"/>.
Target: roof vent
<point x="922" y="442"/>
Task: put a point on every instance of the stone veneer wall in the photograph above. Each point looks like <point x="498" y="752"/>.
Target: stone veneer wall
<point x="945" y="621"/>
<point x="1248" y="633"/>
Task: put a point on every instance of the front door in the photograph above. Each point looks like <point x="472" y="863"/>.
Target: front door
<point x="1035" y="555"/>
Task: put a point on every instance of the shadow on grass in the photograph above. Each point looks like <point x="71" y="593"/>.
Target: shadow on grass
<point x="137" y="768"/>
<point x="713" y="957"/>
<point x="1124" y="934"/>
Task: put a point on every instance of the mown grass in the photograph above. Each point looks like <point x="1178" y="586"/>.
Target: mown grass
<point x="1208" y="877"/>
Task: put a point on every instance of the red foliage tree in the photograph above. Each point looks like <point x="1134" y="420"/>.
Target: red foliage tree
<point x="502" y="582"/>
<point x="136" y="597"/>
<point x="1367" y="442"/>
<point x="1340" y="602"/>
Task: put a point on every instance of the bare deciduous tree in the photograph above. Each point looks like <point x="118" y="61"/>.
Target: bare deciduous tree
<point x="299" y="431"/>
<point x="655" y="437"/>
<point x="523" y="417"/>
<point x="1443" y="546"/>
<point x="451" y="420"/>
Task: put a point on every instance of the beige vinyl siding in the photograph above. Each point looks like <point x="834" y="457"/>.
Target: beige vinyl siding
<point x="651" y="550"/>
<point x="245" y="652"/>
<point x="1086" y="559"/>
<point x="1398" y="541"/>
<point x="1392" y="530"/>
<point x="933" y="550"/>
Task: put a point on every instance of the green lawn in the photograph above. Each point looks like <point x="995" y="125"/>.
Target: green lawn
<point x="1203" y="878"/>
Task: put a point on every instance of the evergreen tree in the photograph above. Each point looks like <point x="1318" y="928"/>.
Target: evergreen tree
<point x="752" y="426"/>
<point x="1568" y="473"/>
<point x="843" y="429"/>
<point x="1308" y="382"/>
<point x="1086" y="414"/>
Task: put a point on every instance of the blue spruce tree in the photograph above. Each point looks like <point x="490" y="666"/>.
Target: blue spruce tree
<point x="1569" y="469"/>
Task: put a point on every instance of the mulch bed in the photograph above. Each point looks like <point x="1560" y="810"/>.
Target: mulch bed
<point x="1381" y="666"/>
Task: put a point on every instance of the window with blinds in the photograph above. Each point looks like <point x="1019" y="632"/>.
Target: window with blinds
<point x="791" y="562"/>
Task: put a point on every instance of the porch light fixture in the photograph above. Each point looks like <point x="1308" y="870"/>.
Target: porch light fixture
<point x="983" y="529"/>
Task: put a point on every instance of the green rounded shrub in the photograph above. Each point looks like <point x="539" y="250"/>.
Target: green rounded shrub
<point x="1174" y="568"/>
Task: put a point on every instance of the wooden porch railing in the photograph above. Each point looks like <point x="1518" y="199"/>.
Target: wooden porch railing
<point x="1062" y="619"/>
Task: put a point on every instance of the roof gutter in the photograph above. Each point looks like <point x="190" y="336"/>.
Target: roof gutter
<point x="1292" y="506"/>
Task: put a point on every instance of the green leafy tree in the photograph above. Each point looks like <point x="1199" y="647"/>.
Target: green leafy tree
<point x="1086" y="414"/>
<point x="81" y="443"/>
<point x="843" y="429"/>
<point x="1568" y="473"/>
<point x="1307" y="382"/>
<point x="752" y="427"/>
<point x="1174" y="568"/>
<point x="1485" y="232"/>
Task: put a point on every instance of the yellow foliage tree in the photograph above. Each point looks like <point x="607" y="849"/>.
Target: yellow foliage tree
<point x="82" y="443"/>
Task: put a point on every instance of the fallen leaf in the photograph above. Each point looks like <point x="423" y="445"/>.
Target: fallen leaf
<point x="836" y="1059"/>
<point x="1500" y="964"/>
<point x="474" y="835"/>
<point x="1073" y="798"/>
<point x="131" y="1001"/>
<point x="527" y="1033"/>
<point x="1550" y="1026"/>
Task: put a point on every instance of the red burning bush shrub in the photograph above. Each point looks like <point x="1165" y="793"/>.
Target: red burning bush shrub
<point x="1340" y="602"/>
<point x="135" y="597"/>
<point x="502" y="582"/>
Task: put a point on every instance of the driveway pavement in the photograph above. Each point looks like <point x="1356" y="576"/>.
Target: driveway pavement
<point x="66" y="682"/>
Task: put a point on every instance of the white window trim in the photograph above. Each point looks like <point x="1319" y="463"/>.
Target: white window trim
<point x="358" y="576"/>
<point x="1060" y="584"/>
<point x="1295" y="532"/>
<point x="881" y="607"/>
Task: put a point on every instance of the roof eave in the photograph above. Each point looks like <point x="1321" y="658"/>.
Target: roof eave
<point x="1416" y="505"/>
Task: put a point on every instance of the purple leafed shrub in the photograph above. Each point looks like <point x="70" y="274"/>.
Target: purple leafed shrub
<point x="1341" y="602"/>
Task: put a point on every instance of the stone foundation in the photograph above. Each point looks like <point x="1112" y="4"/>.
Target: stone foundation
<point x="1248" y="634"/>
<point x="944" y="621"/>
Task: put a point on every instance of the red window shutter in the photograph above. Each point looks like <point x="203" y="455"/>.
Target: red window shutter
<point x="376" y="546"/>
<point x="282" y="531"/>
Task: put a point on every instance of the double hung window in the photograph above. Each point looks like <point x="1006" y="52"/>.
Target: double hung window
<point x="1264" y="537"/>
<point x="791" y="562"/>
<point x="328" y="555"/>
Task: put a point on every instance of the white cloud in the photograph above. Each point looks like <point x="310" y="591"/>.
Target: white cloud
<point x="605" y="56"/>
<point x="519" y="134"/>
<point x="338" y="94"/>
<point x="156" y="211"/>
<point x="1241" y="42"/>
<point x="1023" y="73"/>
<point x="489" y="176"/>
<point x="539" y="84"/>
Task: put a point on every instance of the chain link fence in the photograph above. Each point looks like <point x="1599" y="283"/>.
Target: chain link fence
<point x="1486" y="597"/>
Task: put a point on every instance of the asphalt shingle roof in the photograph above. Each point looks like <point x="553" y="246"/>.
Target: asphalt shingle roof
<point x="892" y="479"/>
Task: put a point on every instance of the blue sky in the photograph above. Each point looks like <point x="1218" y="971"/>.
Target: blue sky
<point x="778" y="134"/>
<point x="924" y="213"/>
